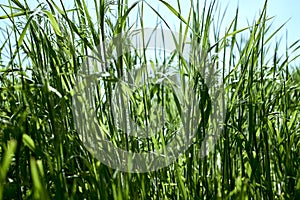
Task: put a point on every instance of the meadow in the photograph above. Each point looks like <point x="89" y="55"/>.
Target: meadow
<point x="254" y="109"/>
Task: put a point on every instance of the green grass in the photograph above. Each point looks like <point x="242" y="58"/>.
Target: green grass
<point x="257" y="155"/>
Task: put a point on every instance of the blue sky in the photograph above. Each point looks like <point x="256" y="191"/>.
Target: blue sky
<point x="282" y="11"/>
<point x="248" y="10"/>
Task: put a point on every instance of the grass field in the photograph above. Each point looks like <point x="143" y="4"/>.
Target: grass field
<point x="43" y="156"/>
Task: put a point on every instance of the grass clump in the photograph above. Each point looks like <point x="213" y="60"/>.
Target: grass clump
<point x="42" y="156"/>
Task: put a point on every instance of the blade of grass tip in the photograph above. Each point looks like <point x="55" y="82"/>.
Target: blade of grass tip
<point x="208" y="21"/>
<point x="173" y="35"/>
<point x="248" y="46"/>
<point x="90" y="24"/>
<point x="122" y="20"/>
<point x="227" y="34"/>
<point x="223" y="39"/>
<point x="97" y="10"/>
<point x="72" y="25"/>
<point x="233" y="40"/>
<point x="28" y="142"/>
<point x="275" y="32"/>
<point x="158" y="14"/>
<point x="220" y="20"/>
<point x="53" y="23"/>
<point x="20" y="40"/>
<point x="187" y="27"/>
<point x="184" y="40"/>
<point x="174" y="11"/>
